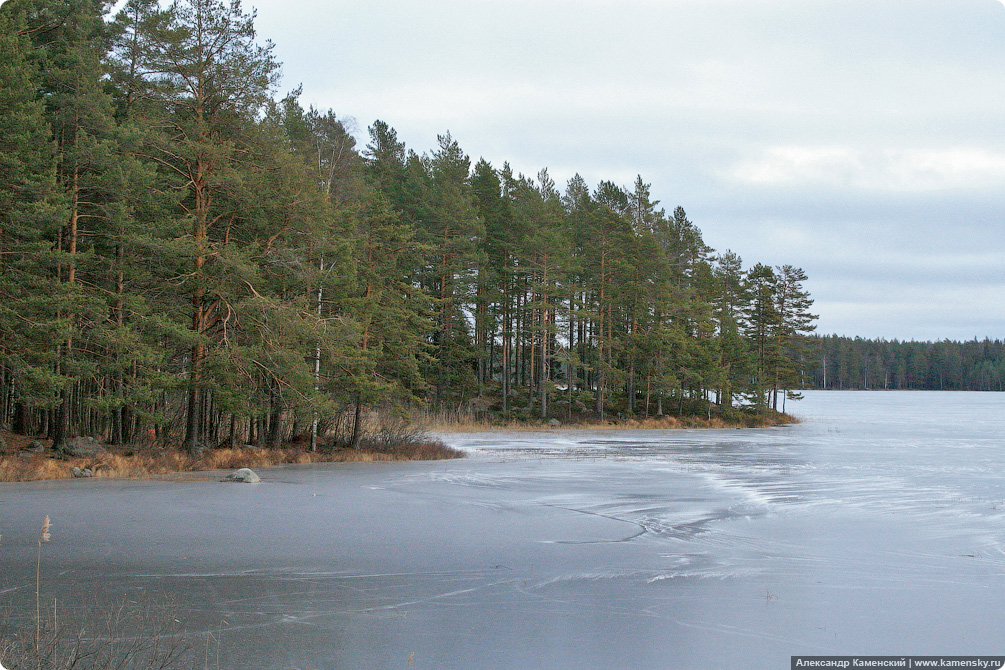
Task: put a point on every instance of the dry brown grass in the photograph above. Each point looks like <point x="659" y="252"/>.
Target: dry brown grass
<point x="476" y="426"/>
<point x="651" y="423"/>
<point x="98" y="636"/>
<point x="16" y="466"/>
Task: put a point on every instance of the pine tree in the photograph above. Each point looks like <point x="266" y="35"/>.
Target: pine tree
<point x="762" y="326"/>
<point x="642" y="208"/>
<point x="486" y="190"/>
<point x="210" y="80"/>
<point x="94" y="175"/>
<point x="729" y="301"/>
<point x="452" y="231"/>
<point x="31" y="212"/>
<point x="792" y="305"/>
<point x="609" y="273"/>
<point x="544" y="260"/>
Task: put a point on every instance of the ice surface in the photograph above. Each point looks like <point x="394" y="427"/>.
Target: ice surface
<point x="873" y="527"/>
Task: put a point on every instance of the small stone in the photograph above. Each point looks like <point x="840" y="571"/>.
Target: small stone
<point x="244" y="475"/>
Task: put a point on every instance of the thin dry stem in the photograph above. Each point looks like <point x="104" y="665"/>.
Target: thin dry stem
<point x="43" y="536"/>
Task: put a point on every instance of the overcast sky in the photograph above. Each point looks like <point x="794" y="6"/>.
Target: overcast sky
<point x="860" y="140"/>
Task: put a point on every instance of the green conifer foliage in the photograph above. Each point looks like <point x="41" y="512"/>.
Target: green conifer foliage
<point x="184" y="257"/>
<point x="31" y="213"/>
<point x="209" y="80"/>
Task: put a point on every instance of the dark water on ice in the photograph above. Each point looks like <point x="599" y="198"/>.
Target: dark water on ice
<point x="876" y="526"/>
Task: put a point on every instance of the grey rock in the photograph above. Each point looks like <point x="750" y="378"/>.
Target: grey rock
<point x="244" y="475"/>
<point x="81" y="472"/>
<point x="34" y="446"/>
<point x="83" y="446"/>
<point x="3" y="444"/>
<point x="554" y="423"/>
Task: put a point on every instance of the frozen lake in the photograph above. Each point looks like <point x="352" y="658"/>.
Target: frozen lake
<point x="876" y="526"/>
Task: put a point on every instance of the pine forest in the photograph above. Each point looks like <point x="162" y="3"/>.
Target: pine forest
<point x="188" y="255"/>
<point x="856" y="363"/>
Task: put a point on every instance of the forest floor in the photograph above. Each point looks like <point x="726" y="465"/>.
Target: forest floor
<point x="19" y="464"/>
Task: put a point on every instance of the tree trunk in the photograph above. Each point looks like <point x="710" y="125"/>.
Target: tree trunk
<point x="631" y="388"/>
<point x="192" y="421"/>
<point x="354" y="440"/>
<point x="19" y="423"/>
<point x="60" y="420"/>
<point x="276" y="424"/>
<point x="506" y="345"/>
<point x="649" y="385"/>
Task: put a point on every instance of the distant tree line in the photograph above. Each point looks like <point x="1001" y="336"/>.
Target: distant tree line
<point x="183" y="256"/>
<point x="856" y="363"/>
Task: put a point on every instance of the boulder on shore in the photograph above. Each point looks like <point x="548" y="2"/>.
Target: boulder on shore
<point x="79" y="447"/>
<point x="34" y="447"/>
<point x="244" y="475"/>
<point x="79" y="473"/>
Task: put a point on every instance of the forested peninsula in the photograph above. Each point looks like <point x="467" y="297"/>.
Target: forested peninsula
<point x="190" y="259"/>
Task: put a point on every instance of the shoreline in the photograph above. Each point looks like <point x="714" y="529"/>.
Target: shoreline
<point x="18" y="464"/>
<point x="664" y="423"/>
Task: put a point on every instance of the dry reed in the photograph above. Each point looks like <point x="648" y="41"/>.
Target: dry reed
<point x="43" y="536"/>
<point x="129" y="635"/>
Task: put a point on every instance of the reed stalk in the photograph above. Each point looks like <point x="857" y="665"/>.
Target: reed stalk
<point x="43" y="536"/>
